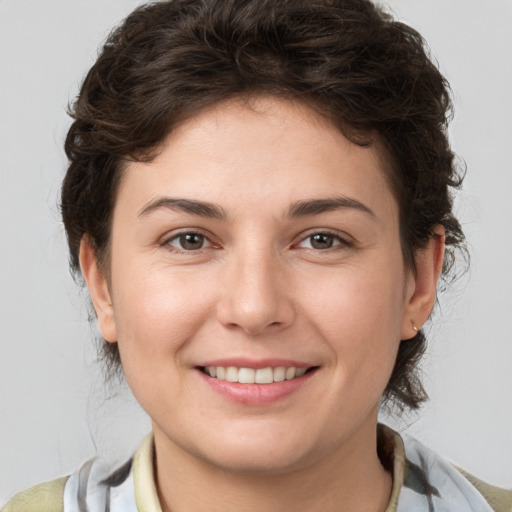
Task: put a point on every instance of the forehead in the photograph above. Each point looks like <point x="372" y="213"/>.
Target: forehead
<point x="259" y="149"/>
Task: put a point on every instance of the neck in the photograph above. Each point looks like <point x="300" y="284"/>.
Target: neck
<point x="350" y="479"/>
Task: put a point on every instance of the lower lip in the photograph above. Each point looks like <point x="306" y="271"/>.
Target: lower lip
<point x="256" y="394"/>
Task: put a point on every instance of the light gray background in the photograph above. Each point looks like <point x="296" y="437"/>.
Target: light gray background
<point x="54" y="409"/>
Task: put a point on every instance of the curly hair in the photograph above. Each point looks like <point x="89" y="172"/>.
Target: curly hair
<point x="348" y="60"/>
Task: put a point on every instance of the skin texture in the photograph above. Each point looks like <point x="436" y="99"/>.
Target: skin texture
<point x="255" y="286"/>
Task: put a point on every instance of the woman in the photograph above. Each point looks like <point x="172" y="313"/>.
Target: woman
<point x="262" y="234"/>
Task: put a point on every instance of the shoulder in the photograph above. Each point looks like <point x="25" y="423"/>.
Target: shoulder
<point x="423" y="480"/>
<point x="94" y="486"/>
<point x="46" y="497"/>
<point x="498" y="498"/>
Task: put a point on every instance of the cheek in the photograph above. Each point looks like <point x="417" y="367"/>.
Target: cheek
<point x="157" y="312"/>
<point x="359" y="315"/>
<point x="359" y="300"/>
<point x="156" y="319"/>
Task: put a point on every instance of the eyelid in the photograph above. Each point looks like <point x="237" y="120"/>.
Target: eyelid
<point x="166" y="240"/>
<point x="343" y="238"/>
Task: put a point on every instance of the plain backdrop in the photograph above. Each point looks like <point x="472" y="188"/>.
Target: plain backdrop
<point x="55" y="411"/>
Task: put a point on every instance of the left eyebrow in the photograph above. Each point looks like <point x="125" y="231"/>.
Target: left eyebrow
<point x="191" y="206"/>
<point x="317" y="206"/>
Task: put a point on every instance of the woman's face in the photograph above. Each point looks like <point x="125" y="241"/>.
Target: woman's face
<point x="259" y="244"/>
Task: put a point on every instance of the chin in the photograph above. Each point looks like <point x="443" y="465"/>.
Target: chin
<point x="257" y="461"/>
<point x="253" y="452"/>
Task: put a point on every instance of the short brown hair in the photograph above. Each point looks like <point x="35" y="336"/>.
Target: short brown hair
<point x="346" y="59"/>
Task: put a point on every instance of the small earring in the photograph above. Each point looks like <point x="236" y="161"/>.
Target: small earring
<point x="414" y="328"/>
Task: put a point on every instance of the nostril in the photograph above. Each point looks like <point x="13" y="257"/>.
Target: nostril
<point x="253" y="311"/>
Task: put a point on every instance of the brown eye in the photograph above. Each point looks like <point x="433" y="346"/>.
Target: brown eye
<point x="322" y="241"/>
<point x="189" y="241"/>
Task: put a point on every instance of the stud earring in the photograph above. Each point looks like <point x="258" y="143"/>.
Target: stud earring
<point x="414" y="328"/>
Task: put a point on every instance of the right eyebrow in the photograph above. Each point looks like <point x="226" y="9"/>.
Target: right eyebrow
<point x="191" y="206"/>
<point x="318" y="206"/>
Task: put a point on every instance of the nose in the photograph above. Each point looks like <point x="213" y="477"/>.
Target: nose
<point x="256" y="297"/>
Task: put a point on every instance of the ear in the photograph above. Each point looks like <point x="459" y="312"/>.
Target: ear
<point x="422" y="285"/>
<point x="97" y="284"/>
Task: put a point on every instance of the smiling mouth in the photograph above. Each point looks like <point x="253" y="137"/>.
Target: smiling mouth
<point x="267" y="375"/>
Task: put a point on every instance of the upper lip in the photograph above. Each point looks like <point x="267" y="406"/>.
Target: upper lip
<point x="240" y="362"/>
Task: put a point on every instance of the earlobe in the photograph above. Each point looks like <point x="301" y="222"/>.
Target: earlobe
<point x="97" y="284"/>
<point x="421" y="290"/>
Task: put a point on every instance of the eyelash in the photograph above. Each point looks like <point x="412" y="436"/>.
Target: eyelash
<point x="176" y="237"/>
<point x="336" y="240"/>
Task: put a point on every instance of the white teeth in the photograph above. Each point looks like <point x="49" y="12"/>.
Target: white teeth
<point x="290" y="373"/>
<point x="300" y="372"/>
<point x="252" y="376"/>
<point x="232" y="374"/>
<point x="279" y="374"/>
<point x="246" y="375"/>
<point x="264" y="376"/>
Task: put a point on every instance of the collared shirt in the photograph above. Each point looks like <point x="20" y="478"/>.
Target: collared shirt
<point x="422" y="482"/>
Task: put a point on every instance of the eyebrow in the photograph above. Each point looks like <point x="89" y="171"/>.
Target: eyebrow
<point x="199" y="208"/>
<point x="297" y="209"/>
<point x="317" y="206"/>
